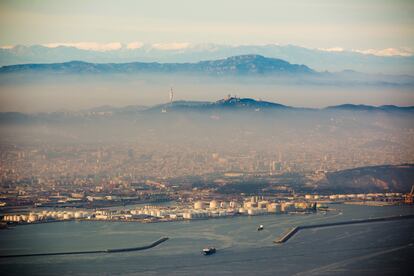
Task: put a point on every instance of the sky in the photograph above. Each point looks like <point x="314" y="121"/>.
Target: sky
<point x="329" y="24"/>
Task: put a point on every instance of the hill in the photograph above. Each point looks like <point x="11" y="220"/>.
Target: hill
<point x="385" y="178"/>
<point x="236" y="65"/>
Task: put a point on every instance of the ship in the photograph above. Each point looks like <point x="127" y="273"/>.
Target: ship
<point x="260" y="228"/>
<point x="209" y="250"/>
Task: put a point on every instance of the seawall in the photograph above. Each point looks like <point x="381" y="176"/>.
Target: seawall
<point x="157" y="242"/>
<point x="284" y="238"/>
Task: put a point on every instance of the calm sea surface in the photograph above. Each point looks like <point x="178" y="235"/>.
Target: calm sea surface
<point x="384" y="248"/>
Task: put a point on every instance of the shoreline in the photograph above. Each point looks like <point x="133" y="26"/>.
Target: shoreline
<point x="144" y="221"/>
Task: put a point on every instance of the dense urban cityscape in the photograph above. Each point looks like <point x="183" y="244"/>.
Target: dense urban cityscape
<point x="54" y="182"/>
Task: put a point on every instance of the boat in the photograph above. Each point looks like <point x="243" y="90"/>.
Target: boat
<point x="209" y="250"/>
<point x="260" y="228"/>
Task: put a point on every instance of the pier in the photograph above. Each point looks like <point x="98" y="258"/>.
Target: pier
<point x="155" y="243"/>
<point x="296" y="229"/>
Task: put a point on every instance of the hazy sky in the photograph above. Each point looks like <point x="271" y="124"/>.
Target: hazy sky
<point x="351" y="24"/>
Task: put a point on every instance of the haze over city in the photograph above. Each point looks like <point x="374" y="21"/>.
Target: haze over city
<point x="206" y="137"/>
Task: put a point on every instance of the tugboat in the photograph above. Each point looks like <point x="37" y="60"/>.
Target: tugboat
<point x="209" y="250"/>
<point x="260" y="228"/>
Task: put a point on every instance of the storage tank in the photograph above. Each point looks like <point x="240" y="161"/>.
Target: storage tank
<point x="223" y="205"/>
<point x="248" y="204"/>
<point x="199" y="205"/>
<point x="301" y="205"/>
<point x="262" y="204"/>
<point x="66" y="216"/>
<point x="213" y="204"/>
<point x="187" y="215"/>
<point x="252" y="212"/>
<point x="33" y="217"/>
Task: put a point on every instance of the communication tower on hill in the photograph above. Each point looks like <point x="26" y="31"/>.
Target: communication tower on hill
<point x="171" y="95"/>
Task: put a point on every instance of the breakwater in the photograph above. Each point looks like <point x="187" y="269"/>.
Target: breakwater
<point x="138" y="248"/>
<point x="296" y="229"/>
<point x="155" y="243"/>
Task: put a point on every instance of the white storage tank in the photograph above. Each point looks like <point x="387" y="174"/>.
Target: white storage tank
<point x="199" y="205"/>
<point x="213" y="204"/>
<point x="248" y="204"/>
<point x="262" y="204"/>
<point x="66" y="216"/>
<point x="223" y="205"/>
<point x="187" y="215"/>
<point x="33" y="217"/>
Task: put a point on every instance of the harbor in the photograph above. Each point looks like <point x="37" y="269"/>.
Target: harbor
<point x="236" y="241"/>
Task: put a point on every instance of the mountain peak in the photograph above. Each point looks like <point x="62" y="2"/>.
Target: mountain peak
<point x="254" y="64"/>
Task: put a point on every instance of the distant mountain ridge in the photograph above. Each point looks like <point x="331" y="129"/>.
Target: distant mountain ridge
<point x="362" y="107"/>
<point x="235" y="65"/>
<point x="234" y="103"/>
<point x="252" y="66"/>
<point x="228" y="104"/>
<point x="318" y="59"/>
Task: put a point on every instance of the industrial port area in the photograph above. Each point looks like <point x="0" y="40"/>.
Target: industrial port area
<point x="204" y="209"/>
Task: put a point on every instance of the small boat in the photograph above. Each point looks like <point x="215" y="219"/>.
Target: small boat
<point x="209" y="250"/>
<point x="260" y="228"/>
